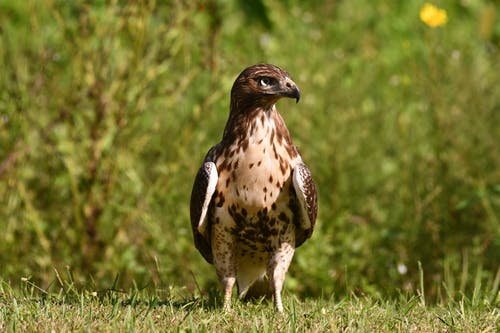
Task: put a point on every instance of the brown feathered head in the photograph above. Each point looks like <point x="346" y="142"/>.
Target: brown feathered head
<point x="261" y="86"/>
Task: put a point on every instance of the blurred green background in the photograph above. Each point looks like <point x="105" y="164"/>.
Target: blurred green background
<point x="107" y="109"/>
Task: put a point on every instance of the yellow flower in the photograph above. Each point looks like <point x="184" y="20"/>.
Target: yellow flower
<point x="433" y="16"/>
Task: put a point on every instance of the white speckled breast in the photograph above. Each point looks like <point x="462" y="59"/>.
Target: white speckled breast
<point x="257" y="174"/>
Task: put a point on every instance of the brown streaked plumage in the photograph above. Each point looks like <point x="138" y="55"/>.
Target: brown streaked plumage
<point x="254" y="200"/>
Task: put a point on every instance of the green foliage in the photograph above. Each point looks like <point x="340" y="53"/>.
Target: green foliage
<point x="107" y="109"/>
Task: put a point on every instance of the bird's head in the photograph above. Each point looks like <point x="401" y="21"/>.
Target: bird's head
<point x="261" y="86"/>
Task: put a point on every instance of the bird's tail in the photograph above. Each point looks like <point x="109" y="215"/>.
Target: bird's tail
<point x="258" y="289"/>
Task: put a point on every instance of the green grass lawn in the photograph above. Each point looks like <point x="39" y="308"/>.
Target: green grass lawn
<point x="164" y="311"/>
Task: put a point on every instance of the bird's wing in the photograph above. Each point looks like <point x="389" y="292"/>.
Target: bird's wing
<point x="307" y="198"/>
<point x="201" y="198"/>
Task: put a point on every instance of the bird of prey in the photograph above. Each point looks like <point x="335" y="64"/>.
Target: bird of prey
<point x="254" y="200"/>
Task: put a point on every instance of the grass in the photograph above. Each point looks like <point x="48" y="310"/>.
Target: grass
<point x="171" y="310"/>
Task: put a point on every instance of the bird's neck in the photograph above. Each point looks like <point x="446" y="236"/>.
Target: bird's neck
<point x="255" y="123"/>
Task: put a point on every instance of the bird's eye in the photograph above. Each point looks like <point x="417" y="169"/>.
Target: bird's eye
<point x="265" y="81"/>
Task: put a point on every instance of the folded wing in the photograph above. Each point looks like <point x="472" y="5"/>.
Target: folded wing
<point x="201" y="198"/>
<point x="307" y="199"/>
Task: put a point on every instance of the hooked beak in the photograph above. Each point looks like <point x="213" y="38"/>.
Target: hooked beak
<point x="290" y="89"/>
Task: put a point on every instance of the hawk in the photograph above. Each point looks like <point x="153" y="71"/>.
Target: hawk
<point x="254" y="200"/>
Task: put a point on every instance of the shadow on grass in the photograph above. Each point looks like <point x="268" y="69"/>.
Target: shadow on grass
<point x="150" y="296"/>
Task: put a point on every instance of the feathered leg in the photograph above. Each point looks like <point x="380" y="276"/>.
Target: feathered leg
<point x="224" y="262"/>
<point x="276" y="270"/>
<point x="227" y="284"/>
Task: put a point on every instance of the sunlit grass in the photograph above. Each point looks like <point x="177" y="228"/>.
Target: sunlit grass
<point x="170" y="310"/>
